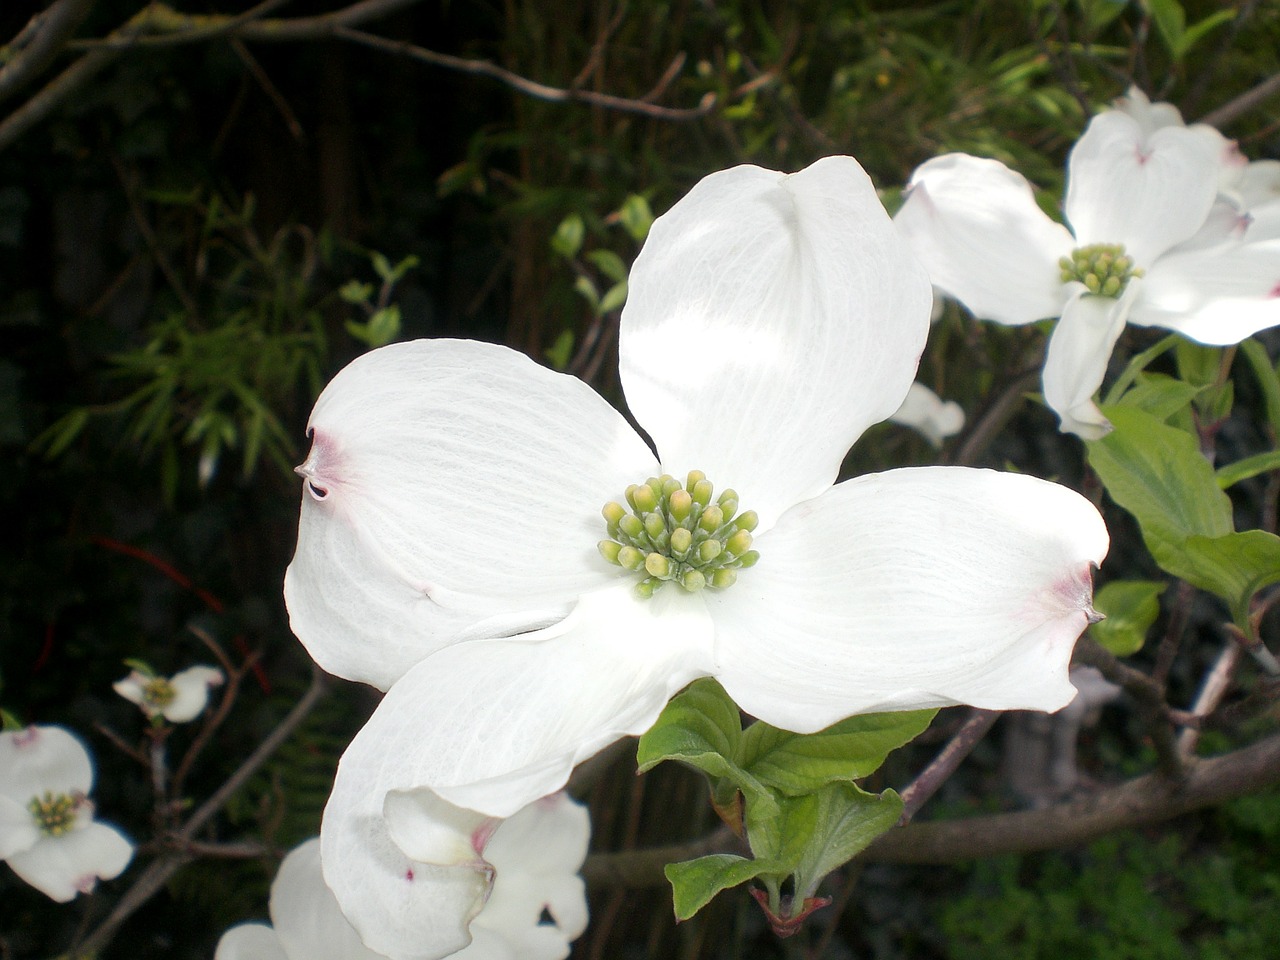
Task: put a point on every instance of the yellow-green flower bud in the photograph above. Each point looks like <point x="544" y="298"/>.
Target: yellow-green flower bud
<point x="681" y="541"/>
<point x="712" y="519"/>
<point x="609" y="549"/>
<point x="693" y="580"/>
<point x="739" y="543"/>
<point x="658" y="566"/>
<point x="679" y="505"/>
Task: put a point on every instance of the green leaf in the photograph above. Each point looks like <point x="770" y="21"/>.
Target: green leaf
<point x="567" y="240"/>
<point x="1157" y="473"/>
<point x="1235" y="566"/>
<point x="1233" y="473"/>
<point x="695" y="882"/>
<point x="846" y="821"/>
<point x="702" y="728"/>
<point x="587" y="289"/>
<point x="796" y="764"/>
<point x="614" y="298"/>
<point x="1268" y="379"/>
<point x="1197" y="31"/>
<point x="1139" y="362"/>
<point x="1171" y="23"/>
<point x="561" y="352"/>
<point x="610" y="264"/>
<point x="353" y="291"/>
<point x="1131" y="607"/>
<point x="1160" y="395"/>
<point x="636" y="216"/>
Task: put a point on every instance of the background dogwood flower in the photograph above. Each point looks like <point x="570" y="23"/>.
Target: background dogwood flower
<point x="935" y="418"/>
<point x="526" y="899"/>
<point x="178" y="699"/>
<point x="452" y="508"/>
<point x="1139" y="190"/>
<point x="47" y="831"/>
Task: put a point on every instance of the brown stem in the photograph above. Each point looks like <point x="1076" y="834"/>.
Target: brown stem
<point x="927" y="783"/>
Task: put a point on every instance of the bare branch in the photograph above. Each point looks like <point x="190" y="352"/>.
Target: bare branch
<point x="41" y="40"/>
<point x="945" y="763"/>
<point x="530" y="88"/>
<point x="1242" y="104"/>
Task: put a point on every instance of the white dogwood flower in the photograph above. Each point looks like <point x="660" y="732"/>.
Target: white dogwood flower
<point x="463" y="540"/>
<point x="517" y="895"/>
<point x="1149" y="244"/>
<point x="178" y="699"/>
<point x="47" y="831"/>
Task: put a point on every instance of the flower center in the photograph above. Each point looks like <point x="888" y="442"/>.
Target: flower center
<point x="675" y="533"/>
<point x="55" y="813"/>
<point x="1104" y="268"/>
<point x="158" y="692"/>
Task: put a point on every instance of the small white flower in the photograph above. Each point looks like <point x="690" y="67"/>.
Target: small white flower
<point x="178" y="699"/>
<point x="47" y="831"/>
<point x="1154" y="241"/>
<point x="513" y="891"/>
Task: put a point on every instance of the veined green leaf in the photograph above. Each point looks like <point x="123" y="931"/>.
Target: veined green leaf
<point x="801" y="763"/>
<point x="695" y="882"/>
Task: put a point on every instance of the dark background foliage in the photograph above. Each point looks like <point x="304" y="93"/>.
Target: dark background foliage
<point x="176" y="234"/>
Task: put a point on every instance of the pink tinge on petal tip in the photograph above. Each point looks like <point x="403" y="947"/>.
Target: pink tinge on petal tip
<point x="321" y="466"/>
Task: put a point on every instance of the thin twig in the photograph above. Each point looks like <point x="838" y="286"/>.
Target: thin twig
<point x="927" y="783"/>
<point x="995" y="418"/>
<point x="1242" y="104"/>
<point x="530" y="88"/>
<point x="1150" y="697"/>
<point x="1214" y="687"/>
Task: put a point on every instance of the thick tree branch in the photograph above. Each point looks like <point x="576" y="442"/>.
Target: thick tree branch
<point x="1146" y="799"/>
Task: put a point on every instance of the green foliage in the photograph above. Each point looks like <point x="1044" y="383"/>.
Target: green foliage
<point x="791" y="794"/>
<point x="1130" y="897"/>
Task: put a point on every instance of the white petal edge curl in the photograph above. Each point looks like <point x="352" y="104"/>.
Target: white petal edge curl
<point x="909" y="589"/>
<point x="453" y="488"/>
<point x="191" y="688"/>
<point x="493" y="725"/>
<point x="1075" y="363"/>
<point x="250" y="941"/>
<point x="536" y="856"/>
<point x="770" y="320"/>
<point x="976" y="227"/>
<point x="43" y="758"/>
<point x="1217" y="296"/>
<point x="1148" y="192"/>
<point x="305" y="914"/>
<point x="61" y="867"/>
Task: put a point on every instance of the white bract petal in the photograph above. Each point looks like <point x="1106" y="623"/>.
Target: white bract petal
<point x="1217" y="296"/>
<point x="452" y="487"/>
<point x="251" y="941"/>
<point x="43" y="759"/>
<point x="770" y="320"/>
<point x="1148" y="192"/>
<point x="909" y="589"/>
<point x="305" y="915"/>
<point x="1076" y="361"/>
<point x="977" y="229"/>
<point x="191" y="692"/>
<point x="73" y="863"/>
<point x="925" y="411"/>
